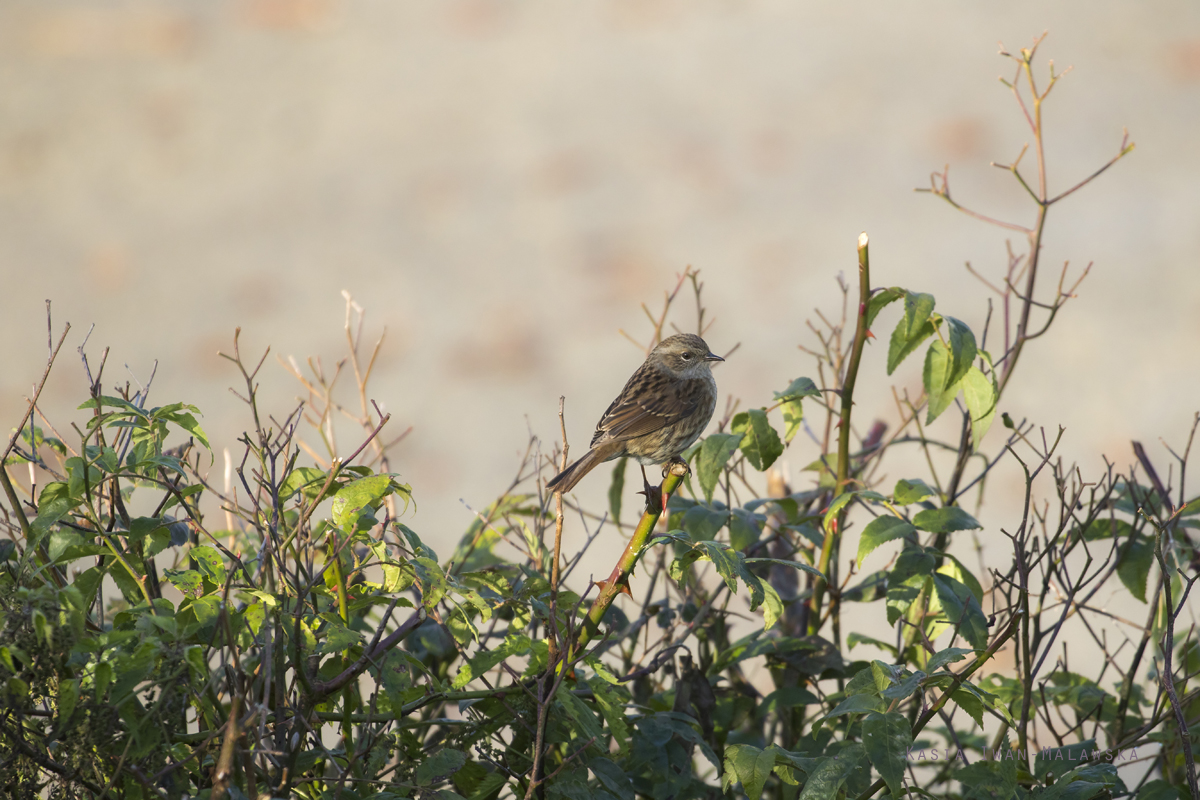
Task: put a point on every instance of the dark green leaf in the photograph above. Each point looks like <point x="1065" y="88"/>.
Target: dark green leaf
<point x="945" y="520"/>
<point x="886" y="738"/>
<point x="744" y="528"/>
<point x="439" y="766"/>
<point x="801" y="387"/>
<point x="761" y="444"/>
<point x="1158" y="790"/>
<point x="714" y="453"/>
<point x="1134" y="565"/>
<point x="703" y="523"/>
<point x="54" y="503"/>
<point x="914" y="327"/>
<point x="962" y="349"/>
<point x="584" y="718"/>
<point x="938" y="371"/>
<point x="857" y="704"/>
<point x="962" y="610"/>
<point x="879" y="530"/>
<point x="612" y="777"/>
<point x="947" y="656"/>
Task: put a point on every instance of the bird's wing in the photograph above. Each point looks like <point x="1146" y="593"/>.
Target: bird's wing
<point x="650" y="401"/>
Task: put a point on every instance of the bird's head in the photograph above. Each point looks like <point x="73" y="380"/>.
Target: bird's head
<point x="684" y="355"/>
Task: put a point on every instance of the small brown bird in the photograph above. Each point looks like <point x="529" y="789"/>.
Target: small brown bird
<point x="663" y="408"/>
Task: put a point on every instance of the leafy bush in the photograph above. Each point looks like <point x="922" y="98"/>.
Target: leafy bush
<point x="304" y="640"/>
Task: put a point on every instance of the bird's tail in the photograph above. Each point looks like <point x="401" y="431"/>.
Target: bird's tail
<point x="565" y="481"/>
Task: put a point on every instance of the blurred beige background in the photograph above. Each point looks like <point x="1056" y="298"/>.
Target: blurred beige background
<point x="501" y="185"/>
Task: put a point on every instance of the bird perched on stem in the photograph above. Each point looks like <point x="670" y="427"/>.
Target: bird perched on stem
<point x="663" y="408"/>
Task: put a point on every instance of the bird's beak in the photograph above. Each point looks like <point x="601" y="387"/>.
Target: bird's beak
<point x="713" y="357"/>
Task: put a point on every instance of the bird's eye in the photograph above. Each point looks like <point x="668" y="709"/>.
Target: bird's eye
<point x="686" y="356"/>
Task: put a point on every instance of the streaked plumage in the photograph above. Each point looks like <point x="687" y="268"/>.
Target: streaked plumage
<point x="662" y="410"/>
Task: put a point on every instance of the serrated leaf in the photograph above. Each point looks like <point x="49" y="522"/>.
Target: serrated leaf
<point x="793" y="418"/>
<point x="351" y="499"/>
<point x="947" y="656"/>
<point x="750" y="766"/>
<point x="938" y="369"/>
<point x="912" y="329"/>
<point x="714" y="453"/>
<point x="799" y="388"/>
<point x="887" y="738"/>
<point x="209" y="562"/>
<point x="879" y="530"/>
<point x="1133" y="566"/>
<point x="761" y="444"/>
<point x="961" y="609"/>
<point x="945" y="520"/>
<point x="745" y="528"/>
<point x="962" y="349"/>
<point x="980" y="394"/>
<point x="908" y="492"/>
<point x="439" y="766"/>
<point x="880" y="300"/>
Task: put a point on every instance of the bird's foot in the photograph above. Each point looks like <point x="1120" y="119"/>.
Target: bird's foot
<point x="676" y="466"/>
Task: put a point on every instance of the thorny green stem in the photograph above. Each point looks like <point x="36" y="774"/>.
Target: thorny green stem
<point x="829" y="548"/>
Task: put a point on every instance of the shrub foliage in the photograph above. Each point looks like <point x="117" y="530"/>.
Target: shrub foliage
<point x="277" y="628"/>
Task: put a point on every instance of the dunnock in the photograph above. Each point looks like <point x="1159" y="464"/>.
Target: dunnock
<point x="663" y="408"/>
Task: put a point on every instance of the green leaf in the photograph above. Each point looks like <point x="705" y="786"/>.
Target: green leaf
<point x="616" y="489"/>
<point x="714" y="453"/>
<point x="1134" y="565"/>
<point x="857" y="704"/>
<point x="961" y="609"/>
<point x="208" y="561"/>
<point x="887" y="738"/>
<point x="980" y="394"/>
<point x="962" y="349"/>
<point x="825" y="781"/>
<point x="879" y="530"/>
<point x="880" y="300"/>
<point x="351" y="499"/>
<point x="612" y="777"/>
<point x="440" y="766"/>
<point x="484" y="660"/>
<point x="799" y="388"/>
<point x="703" y="523"/>
<point x="909" y="492"/>
<point x="54" y="503"/>
<point x="611" y="702"/>
<point x="793" y="418"/>
<point x="584" y="718"/>
<point x="947" y="656"/>
<point x="938" y="370"/>
<point x="761" y="444"/>
<point x="914" y="327"/>
<point x="187" y="581"/>
<point x="308" y="480"/>
<point x="748" y="765"/>
<point x="1158" y="790"/>
<point x="745" y="528"/>
<point x="945" y="520"/>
